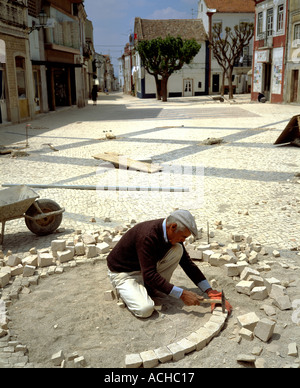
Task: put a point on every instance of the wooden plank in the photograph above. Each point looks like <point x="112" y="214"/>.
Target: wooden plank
<point x="291" y="132"/>
<point x="125" y="162"/>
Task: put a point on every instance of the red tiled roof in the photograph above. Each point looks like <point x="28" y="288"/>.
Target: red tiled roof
<point x="186" y="28"/>
<point x="231" y="6"/>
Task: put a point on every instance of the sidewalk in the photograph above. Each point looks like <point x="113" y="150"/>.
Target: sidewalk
<point x="247" y="181"/>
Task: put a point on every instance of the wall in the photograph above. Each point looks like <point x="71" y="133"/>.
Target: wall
<point x="270" y="53"/>
<point x="196" y="72"/>
<point x="228" y="20"/>
<point x="16" y="46"/>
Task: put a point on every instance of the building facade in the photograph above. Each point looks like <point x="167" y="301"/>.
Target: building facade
<point x="270" y="45"/>
<point x="192" y="79"/>
<point x="16" y="88"/>
<point x="292" y="73"/>
<point x="129" y="67"/>
<point x="228" y="13"/>
<point x="65" y="55"/>
<point x="121" y="74"/>
<point x="46" y="55"/>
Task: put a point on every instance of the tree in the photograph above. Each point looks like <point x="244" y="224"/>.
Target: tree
<point x="228" y="49"/>
<point x="163" y="57"/>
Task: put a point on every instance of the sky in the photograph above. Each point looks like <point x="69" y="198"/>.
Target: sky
<point x="113" y="20"/>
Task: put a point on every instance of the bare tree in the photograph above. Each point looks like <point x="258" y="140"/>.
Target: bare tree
<point x="227" y="48"/>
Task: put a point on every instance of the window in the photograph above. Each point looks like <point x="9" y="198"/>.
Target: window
<point x="219" y="25"/>
<point x="270" y="19"/>
<point x="260" y="23"/>
<point x="297" y="32"/>
<point x="2" y="51"/>
<point x="280" y="18"/>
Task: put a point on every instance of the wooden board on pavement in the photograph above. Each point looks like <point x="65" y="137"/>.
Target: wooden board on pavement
<point x="125" y="162"/>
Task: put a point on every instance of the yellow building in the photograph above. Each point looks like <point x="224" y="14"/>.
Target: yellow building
<point x="16" y="88"/>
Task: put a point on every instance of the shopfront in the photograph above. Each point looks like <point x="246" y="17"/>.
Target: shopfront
<point x="268" y="74"/>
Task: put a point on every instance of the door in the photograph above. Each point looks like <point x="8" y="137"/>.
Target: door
<point x="37" y="92"/>
<point x="267" y="79"/>
<point x="3" y="107"/>
<point x="216" y="83"/>
<point x="188" y="88"/>
<point x="61" y="87"/>
<point x="21" y="85"/>
<point x="294" y="85"/>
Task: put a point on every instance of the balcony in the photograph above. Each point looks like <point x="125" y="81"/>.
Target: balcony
<point x="65" y="35"/>
<point x="13" y="13"/>
<point x="265" y="40"/>
<point x="246" y="62"/>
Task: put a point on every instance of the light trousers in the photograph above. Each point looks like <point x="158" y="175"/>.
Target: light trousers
<point x="130" y="285"/>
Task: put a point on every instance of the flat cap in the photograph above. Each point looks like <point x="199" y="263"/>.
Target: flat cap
<point x="186" y="218"/>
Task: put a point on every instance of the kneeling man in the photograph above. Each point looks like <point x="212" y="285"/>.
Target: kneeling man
<point x="145" y="258"/>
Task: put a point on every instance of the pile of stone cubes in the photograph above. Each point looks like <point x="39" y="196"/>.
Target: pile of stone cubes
<point x="177" y="350"/>
<point x="250" y="325"/>
<point x="248" y="263"/>
<point x="245" y="261"/>
<point x="76" y="249"/>
<point x="74" y="359"/>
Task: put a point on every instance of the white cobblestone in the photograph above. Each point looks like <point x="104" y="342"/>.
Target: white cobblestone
<point x="254" y="177"/>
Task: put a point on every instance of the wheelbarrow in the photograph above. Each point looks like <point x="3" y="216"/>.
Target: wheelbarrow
<point x="42" y="217"/>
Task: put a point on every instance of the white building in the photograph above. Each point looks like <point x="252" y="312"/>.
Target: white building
<point x="191" y="80"/>
<point x="228" y="13"/>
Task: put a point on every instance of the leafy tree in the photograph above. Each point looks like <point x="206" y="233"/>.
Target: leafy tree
<point x="163" y="57"/>
<point x="228" y="49"/>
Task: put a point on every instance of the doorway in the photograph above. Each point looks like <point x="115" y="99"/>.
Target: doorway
<point x="188" y="88"/>
<point x="21" y="87"/>
<point x="267" y="80"/>
<point x="216" y="83"/>
<point x="37" y="91"/>
<point x="294" y="85"/>
<point x="61" y="87"/>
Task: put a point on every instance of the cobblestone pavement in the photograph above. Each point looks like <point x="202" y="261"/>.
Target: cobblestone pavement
<point x="246" y="182"/>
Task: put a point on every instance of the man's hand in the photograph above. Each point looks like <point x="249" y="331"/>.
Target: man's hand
<point x="191" y="298"/>
<point x="213" y="294"/>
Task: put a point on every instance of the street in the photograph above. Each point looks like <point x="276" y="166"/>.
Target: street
<point x="237" y="183"/>
<point x="245" y="182"/>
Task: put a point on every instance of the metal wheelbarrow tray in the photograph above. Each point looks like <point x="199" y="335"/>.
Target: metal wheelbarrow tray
<point x="42" y="217"/>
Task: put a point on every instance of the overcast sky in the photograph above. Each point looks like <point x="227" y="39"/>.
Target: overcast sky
<point x="113" y="20"/>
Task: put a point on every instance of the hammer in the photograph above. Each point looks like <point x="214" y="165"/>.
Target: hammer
<point x="212" y="301"/>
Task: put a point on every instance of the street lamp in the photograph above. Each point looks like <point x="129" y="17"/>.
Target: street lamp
<point x="43" y="20"/>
